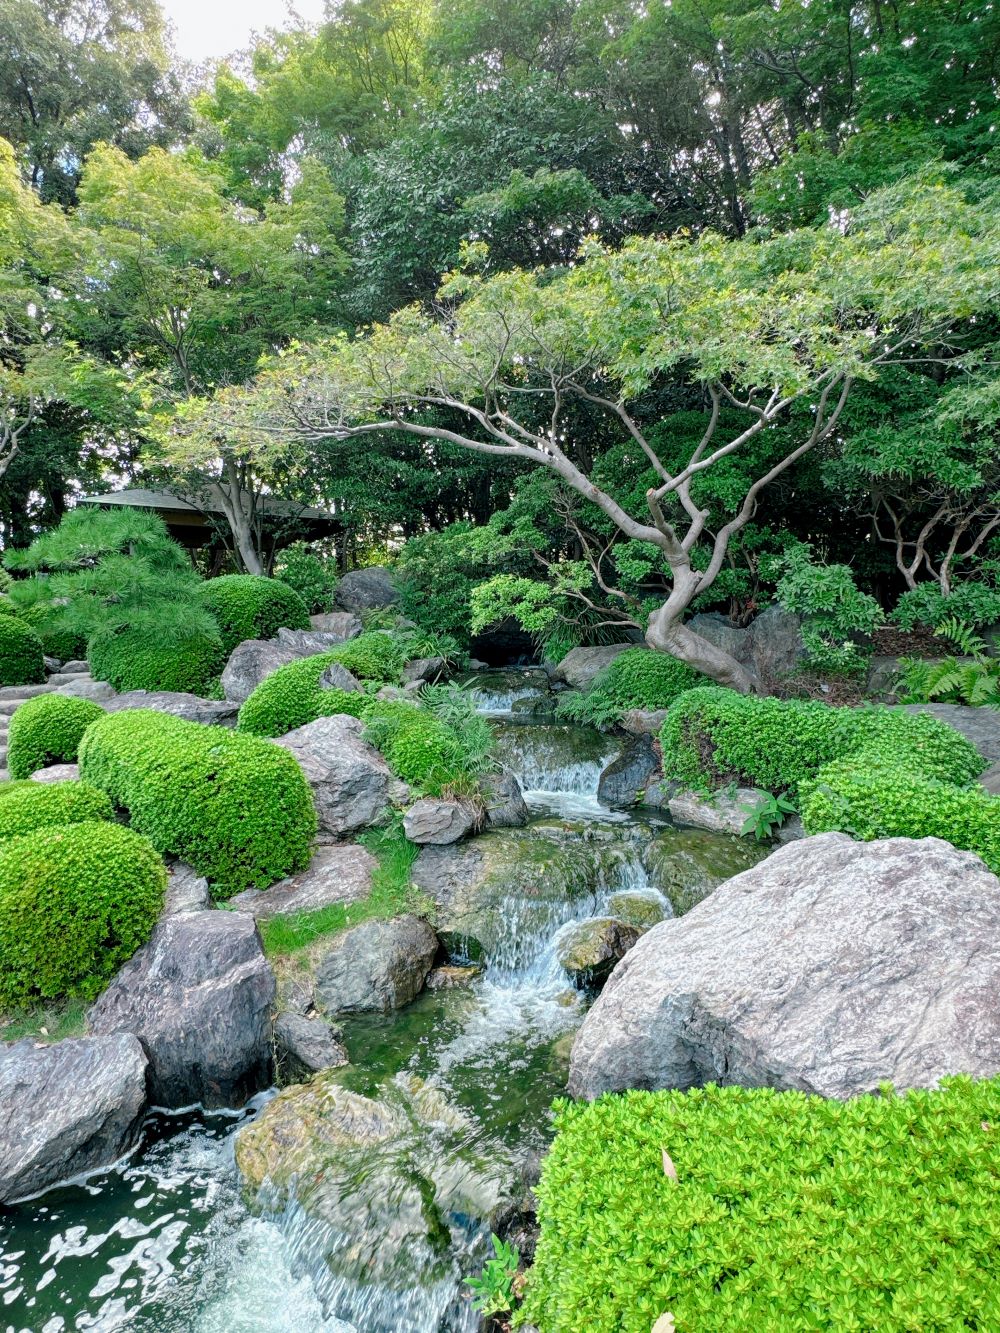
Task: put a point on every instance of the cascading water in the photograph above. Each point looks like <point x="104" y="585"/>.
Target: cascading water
<point x="167" y="1243"/>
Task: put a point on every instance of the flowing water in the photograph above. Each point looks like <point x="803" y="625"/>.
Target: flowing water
<point x="167" y="1242"/>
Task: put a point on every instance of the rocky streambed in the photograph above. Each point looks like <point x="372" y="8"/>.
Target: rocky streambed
<point x="361" y="1199"/>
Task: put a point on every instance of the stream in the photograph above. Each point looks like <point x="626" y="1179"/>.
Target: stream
<point x="166" y="1242"/>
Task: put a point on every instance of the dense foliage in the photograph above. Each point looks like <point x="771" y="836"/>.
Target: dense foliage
<point x="47" y="730"/>
<point x="309" y="575"/>
<point x="637" y="678"/>
<point x="788" y="1212"/>
<point x="235" y="808"/>
<point x="295" y="694"/>
<point x="247" y="606"/>
<point x="713" y="736"/>
<point x="137" y="658"/>
<point x="21" y="656"/>
<point x="435" y="745"/>
<point x="40" y="805"/>
<point x="76" y="901"/>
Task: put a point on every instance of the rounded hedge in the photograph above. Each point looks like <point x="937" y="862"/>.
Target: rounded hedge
<point x="292" y="696"/>
<point x="787" y="1213"/>
<point x="48" y="730"/>
<point x="21" y="654"/>
<point x="39" y="805"/>
<point x="713" y="736"/>
<point x="76" y="902"/>
<point x="132" y="659"/>
<point x="237" y="809"/>
<point x="7" y="608"/>
<point x="249" y="606"/>
<point x="636" y="678"/>
<point x="415" y="744"/>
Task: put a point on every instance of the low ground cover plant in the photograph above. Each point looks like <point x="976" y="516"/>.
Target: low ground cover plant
<point x="293" y="696"/>
<point x="21" y="654"/>
<point x="249" y="606"/>
<point x="637" y="678"/>
<point x="76" y="901"/>
<point x="788" y="1212"/>
<point x="236" y="808"/>
<point x="39" y="805"/>
<point x="48" y="730"/>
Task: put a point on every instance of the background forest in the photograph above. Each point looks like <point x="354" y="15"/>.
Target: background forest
<point x="165" y="231"/>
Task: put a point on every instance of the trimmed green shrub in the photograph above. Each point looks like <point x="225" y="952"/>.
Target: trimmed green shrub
<point x="21" y="655"/>
<point x="249" y="606"/>
<point x="134" y="659"/>
<point x="872" y="796"/>
<point x="637" y="678"/>
<point x="713" y="736"/>
<point x="416" y="745"/>
<point x="48" y="730"/>
<point x="789" y="1213"/>
<point x="7" y="608"/>
<point x="312" y="578"/>
<point x="291" y="697"/>
<point x="58" y="639"/>
<point x="75" y="903"/>
<point x="39" y="805"/>
<point x="236" y="808"/>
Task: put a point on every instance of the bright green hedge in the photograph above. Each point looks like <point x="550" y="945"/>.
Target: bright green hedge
<point x="417" y="746"/>
<point x="48" y="730"/>
<point x="291" y="696"/>
<point x="869" y="797"/>
<point x="21" y="655"/>
<point x="249" y="606"/>
<point x="236" y="808"/>
<point x="39" y="805"/>
<point x="790" y="1213"/>
<point x="7" y="608"/>
<point x="75" y="903"/>
<point x="636" y="678"/>
<point x="713" y="736"/>
<point x="132" y="659"/>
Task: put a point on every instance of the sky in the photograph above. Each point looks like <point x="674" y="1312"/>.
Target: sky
<point x="208" y="29"/>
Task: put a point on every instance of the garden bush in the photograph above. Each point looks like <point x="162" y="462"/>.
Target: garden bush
<point x="59" y="639"/>
<point x="76" y="902"/>
<point x="416" y="745"/>
<point x="7" y="608"/>
<point x="134" y="658"/>
<point x="312" y="578"/>
<point x="789" y="1213"/>
<point x="249" y="606"/>
<point x="637" y="678"/>
<point x="713" y="736"/>
<point x="39" y="805"/>
<point x="21" y="653"/>
<point x="871" y="795"/>
<point x="292" y="696"/>
<point x="236" y="808"/>
<point x="48" y="730"/>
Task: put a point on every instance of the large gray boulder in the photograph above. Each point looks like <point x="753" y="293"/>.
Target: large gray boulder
<point x="352" y="785"/>
<point x="339" y="872"/>
<point x="57" y="773"/>
<point x="250" y="663"/>
<point x="308" y="642"/>
<point x="304" y="1046"/>
<point x="345" y="624"/>
<point x="375" y="967"/>
<point x="438" y="821"/>
<point x="504" y="800"/>
<point x="831" y="967"/>
<point x="365" y="589"/>
<point x="85" y="688"/>
<point x="189" y="707"/>
<point x="628" y="775"/>
<point x="579" y="667"/>
<point x="198" y="996"/>
<point x="776" y="645"/>
<point x="720" y="630"/>
<point x="187" y="891"/>
<point x="68" y="1108"/>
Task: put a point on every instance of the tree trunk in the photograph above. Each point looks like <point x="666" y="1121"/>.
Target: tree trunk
<point x="666" y="634"/>
<point x="235" y="510"/>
